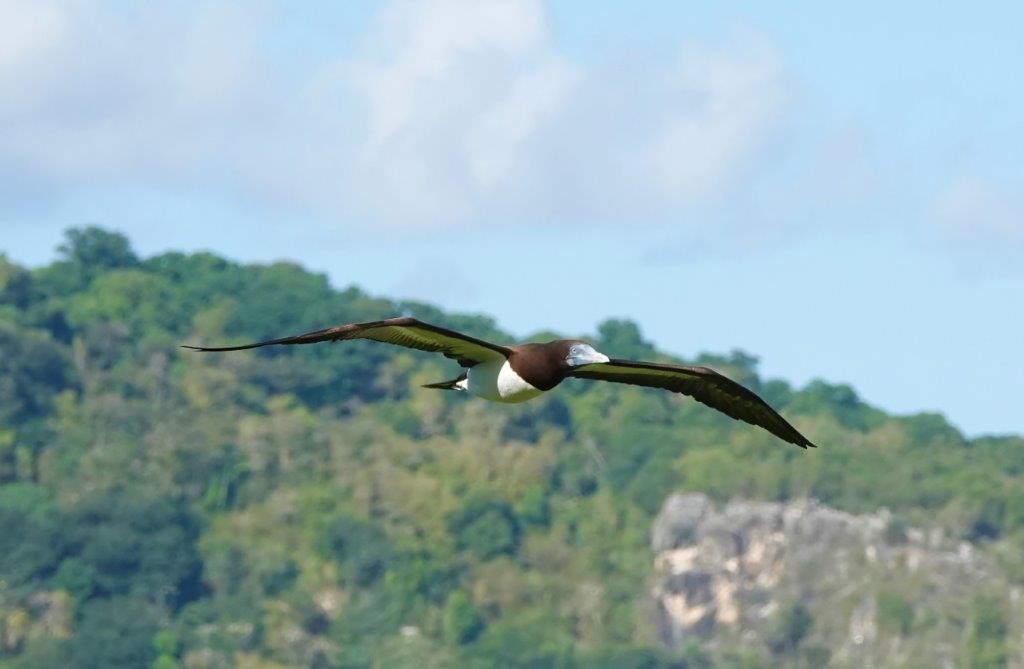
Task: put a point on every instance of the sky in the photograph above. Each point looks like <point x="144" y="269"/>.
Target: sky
<point x="837" y="188"/>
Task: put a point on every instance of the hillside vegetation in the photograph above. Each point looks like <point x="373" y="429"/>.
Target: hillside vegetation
<point x="312" y="506"/>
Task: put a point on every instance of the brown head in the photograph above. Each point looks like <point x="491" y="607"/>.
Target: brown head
<point x="544" y="366"/>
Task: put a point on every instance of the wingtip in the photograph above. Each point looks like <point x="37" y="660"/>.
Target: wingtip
<point x="220" y="349"/>
<point x="202" y="349"/>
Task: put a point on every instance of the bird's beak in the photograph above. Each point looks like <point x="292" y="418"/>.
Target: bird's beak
<point x="585" y="355"/>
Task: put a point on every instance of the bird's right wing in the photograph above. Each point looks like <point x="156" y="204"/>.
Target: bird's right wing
<point x="403" y="331"/>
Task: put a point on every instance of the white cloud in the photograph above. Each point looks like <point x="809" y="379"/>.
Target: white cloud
<point x="144" y="94"/>
<point x="977" y="211"/>
<point x="724" y="104"/>
<point x="494" y="143"/>
<point x="432" y="40"/>
<point x="451" y="106"/>
<point x="29" y="29"/>
<point x="449" y="113"/>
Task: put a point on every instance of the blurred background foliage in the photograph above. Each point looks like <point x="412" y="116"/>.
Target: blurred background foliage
<point x="312" y="506"/>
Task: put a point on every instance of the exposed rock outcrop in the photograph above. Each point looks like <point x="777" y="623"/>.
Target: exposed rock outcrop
<point x="781" y="580"/>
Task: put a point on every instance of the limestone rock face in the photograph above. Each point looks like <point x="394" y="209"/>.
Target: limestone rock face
<point x="804" y="583"/>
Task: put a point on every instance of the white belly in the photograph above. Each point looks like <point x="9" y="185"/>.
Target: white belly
<point x="498" y="382"/>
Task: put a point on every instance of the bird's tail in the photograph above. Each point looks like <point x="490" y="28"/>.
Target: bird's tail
<point x="458" y="383"/>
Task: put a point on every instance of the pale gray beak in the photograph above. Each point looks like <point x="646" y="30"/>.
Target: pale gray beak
<point x="584" y="354"/>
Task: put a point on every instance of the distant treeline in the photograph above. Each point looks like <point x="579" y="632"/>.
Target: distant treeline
<point x="312" y="506"/>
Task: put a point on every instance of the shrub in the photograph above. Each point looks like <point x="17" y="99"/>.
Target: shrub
<point x="486" y="528"/>
<point x="362" y="548"/>
<point x="462" y="622"/>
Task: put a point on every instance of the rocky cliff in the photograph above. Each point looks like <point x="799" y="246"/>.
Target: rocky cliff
<point x="803" y="584"/>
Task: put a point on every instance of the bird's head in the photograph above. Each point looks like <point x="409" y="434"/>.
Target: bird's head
<point x="580" y="353"/>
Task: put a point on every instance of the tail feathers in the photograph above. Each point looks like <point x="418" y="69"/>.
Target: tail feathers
<point x="458" y="383"/>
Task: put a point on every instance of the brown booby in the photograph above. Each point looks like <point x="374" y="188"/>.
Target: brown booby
<point x="519" y="373"/>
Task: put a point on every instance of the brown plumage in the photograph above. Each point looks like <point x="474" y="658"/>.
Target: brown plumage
<point x="402" y="331"/>
<point x="702" y="384"/>
<point x="518" y="373"/>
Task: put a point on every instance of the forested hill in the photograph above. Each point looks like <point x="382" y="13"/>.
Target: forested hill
<point x="314" y="507"/>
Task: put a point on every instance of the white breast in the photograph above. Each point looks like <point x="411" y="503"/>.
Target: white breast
<point x="498" y="382"/>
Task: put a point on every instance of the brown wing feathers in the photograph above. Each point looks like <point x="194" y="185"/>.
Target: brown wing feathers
<point x="403" y="331"/>
<point x="702" y="384"/>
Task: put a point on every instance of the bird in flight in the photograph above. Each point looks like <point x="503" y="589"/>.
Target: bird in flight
<point x="519" y="373"/>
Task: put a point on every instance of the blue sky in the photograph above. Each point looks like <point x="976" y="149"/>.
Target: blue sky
<point x="836" y="189"/>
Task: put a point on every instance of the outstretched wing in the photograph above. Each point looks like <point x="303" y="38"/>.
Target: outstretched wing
<point x="702" y="384"/>
<point x="404" y="331"/>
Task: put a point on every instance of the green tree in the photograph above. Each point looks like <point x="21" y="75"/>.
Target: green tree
<point x="895" y="614"/>
<point x="85" y="254"/>
<point x="462" y="622"/>
<point x="33" y="368"/>
<point x="41" y="653"/>
<point x="534" y="507"/>
<point x="143" y="548"/>
<point x="486" y="528"/>
<point x="31" y="538"/>
<point x="141" y="301"/>
<point x="986" y="637"/>
<point x="115" y="632"/>
<point x="362" y="548"/>
<point x="93" y="250"/>
<point x="530" y="639"/>
<point x="15" y="285"/>
<point x="621" y="338"/>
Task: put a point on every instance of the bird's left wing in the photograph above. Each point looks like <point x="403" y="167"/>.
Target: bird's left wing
<point x="702" y="384"/>
<point x="403" y="331"/>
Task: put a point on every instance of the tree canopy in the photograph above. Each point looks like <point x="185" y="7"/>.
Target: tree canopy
<point x="312" y="506"/>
